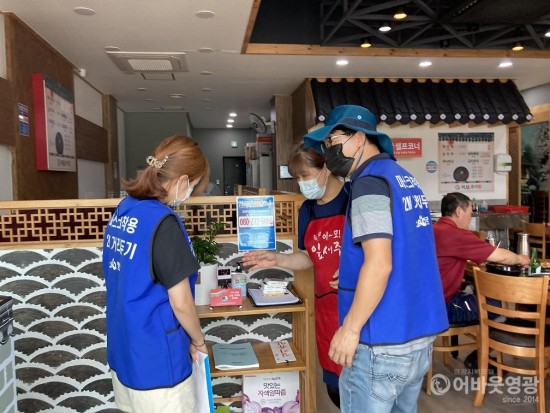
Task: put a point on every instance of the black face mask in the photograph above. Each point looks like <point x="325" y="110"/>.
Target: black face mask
<point x="337" y="162"/>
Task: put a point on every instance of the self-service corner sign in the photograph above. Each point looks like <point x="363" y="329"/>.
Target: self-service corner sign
<point x="256" y="223"/>
<point x="407" y="147"/>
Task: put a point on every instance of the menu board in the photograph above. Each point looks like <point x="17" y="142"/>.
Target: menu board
<point x="54" y="125"/>
<point x="466" y="162"/>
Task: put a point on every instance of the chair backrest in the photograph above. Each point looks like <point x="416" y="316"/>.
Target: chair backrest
<point x="537" y="237"/>
<point x="530" y="292"/>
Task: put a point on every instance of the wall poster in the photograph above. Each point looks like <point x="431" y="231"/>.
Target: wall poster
<point x="466" y="162"/>
<point x="256" y="223"/>
<point x="54" y="125"/>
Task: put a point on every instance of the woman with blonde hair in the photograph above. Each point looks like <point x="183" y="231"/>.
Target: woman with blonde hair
<point x="153" y="330"/>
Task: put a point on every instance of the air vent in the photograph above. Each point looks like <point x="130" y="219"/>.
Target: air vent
<point x="149" y="62"/>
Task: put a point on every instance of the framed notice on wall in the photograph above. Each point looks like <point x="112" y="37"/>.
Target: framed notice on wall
<point x="54" y="125"/>
<point x="256" y="223"/>
<point x="466" y="162"/>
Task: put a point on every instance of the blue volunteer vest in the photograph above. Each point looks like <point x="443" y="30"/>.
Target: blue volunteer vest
<point x="146" y="346"/>
<point x="412" y="305"/>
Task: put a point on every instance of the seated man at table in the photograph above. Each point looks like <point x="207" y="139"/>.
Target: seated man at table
<point x="455" y="245"/>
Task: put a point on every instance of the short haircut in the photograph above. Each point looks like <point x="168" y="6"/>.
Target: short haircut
<point x="452" y="201"/>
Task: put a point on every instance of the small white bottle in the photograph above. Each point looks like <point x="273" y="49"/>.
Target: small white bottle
<point x="239" y="279"/>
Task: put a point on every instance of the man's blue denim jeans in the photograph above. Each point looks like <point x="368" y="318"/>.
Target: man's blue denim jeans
<point x="380" y="383"/>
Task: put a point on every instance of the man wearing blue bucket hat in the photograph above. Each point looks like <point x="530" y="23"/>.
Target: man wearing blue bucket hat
<point x="390" y="299"/>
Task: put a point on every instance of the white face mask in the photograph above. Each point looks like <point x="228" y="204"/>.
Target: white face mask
<point x="311" y="188"/>
<point x="178" y="201"/>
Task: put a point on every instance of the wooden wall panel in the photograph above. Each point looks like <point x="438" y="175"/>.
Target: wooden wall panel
<point x="303" y="114"/>
<point x="110" y="121"/>
<point x="8" y="119"/>
<point x="91" y="141"/>
<point x="283" y="141"/>
<point x="514" y="149"/>
<point x="28" y="53"/>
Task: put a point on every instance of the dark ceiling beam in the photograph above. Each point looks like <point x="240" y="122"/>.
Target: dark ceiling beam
<point x="389" y="17"/>
<point x="460" y="9"/>
<point x="414" y="36"/>
<point x="510" y="41"/>
<point x="428" y="40"/>
<point x="456" y="34"/>
<point x="344" y="18"/>
<point x="496" y="35"/>
<point x="427" y="9"/>
<point x="534" y="35"/>
<point x="326" y="16"/>
<point x="375" y="32"/>
<point x="385" y="5"/>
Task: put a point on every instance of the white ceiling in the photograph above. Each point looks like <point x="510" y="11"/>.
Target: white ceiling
<point x="240" y="83"/>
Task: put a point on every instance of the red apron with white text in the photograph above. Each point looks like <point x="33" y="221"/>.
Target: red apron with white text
<point x="323" y="240"/>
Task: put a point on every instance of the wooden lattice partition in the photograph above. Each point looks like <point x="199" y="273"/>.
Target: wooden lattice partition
<point x="82" y="222"/>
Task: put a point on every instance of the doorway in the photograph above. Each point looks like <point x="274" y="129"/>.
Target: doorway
<point x="234" y="173"/>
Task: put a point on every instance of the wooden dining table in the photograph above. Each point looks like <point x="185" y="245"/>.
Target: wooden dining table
<point x="469" y="272"/>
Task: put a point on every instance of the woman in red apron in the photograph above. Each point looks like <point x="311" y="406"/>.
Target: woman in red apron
<point x="320" y="225"/>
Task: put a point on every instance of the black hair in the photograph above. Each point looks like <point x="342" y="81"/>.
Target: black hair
<point x="452" y="201"/>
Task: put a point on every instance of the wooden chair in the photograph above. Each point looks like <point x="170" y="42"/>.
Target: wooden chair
<point x="538" y="233"/>
<point x="445" y="344"/>
<point x="540" y="206"/>
<point x="521" y="336"/>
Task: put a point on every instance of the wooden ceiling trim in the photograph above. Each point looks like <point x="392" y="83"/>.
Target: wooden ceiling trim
<point x="250" y="26"/>
<point x="313" y="50"/>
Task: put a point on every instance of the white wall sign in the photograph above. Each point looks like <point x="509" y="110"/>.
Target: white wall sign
<point x="466" y="162"/>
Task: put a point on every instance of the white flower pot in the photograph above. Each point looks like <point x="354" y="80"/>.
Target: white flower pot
<point x="207" y="280"/>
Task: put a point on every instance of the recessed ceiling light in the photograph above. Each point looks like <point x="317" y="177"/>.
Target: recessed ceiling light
<point x="365" y="44"/>
<point x="177" y="95"/>
<point x="342" y="62"/>
<point x="142" y="89"/>
<point x="229" y="125"/>
<point x="385" y="27"/>
<point x="112" y="48"/>
<point x="206" y="89"/>
<point x="517" y="47"/>
<point x="205" y="50"/>
<point x="206" y="72"/>
<point x="505" y="64"/>
<point x="233" y="114"/>
<point x="400" y="15"/>
<point x="230" y="120"/>
<point x="207" y="108"/>
<point x="84" y="11"/>
<point x="205" y="14"/>
<point x="149" y="99"/>
<point x="206" y="100"/>
<point x="425" y="63"/>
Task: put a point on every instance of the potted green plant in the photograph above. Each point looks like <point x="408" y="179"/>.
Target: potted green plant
<point x="205" y="247"/>
<point x="206" y="250"/>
